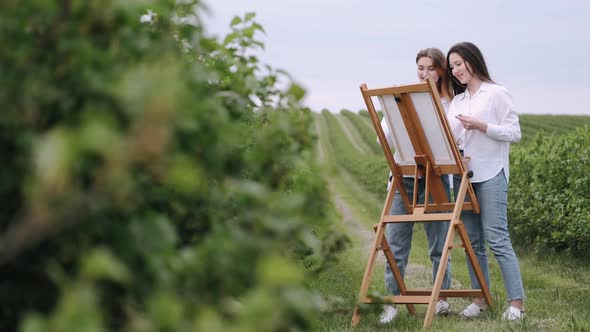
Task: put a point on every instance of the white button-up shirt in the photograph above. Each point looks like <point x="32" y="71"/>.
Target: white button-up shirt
<point x="488" y="151"/>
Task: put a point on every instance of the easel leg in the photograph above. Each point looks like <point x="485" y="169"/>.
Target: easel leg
<point x="440" y="274"/>
<point x="356" y="316"/>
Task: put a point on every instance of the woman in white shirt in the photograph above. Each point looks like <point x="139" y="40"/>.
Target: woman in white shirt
<point x="484" y="122"/>
<point x="431" y="63"/>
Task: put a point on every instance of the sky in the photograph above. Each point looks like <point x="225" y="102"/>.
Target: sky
<point x="540" y="51"/>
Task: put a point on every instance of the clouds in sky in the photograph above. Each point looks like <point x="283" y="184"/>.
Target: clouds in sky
<point x="538" y="50"/>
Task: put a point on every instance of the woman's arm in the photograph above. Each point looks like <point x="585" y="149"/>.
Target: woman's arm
<point x="508" y="128"/>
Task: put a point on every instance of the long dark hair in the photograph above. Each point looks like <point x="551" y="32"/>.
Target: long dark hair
<point x="473" y="56"/>
<point x="438" y="59"/>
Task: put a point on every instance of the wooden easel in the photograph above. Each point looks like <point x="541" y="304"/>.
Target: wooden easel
<point x="426" y="148"/>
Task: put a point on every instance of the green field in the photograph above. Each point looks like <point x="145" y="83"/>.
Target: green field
<point x="557" y="286"/>
<point x="531" y="124"/>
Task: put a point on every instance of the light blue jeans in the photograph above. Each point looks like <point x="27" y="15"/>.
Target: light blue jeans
<point x="399" y="237"/>
<point x="491" y="226"/>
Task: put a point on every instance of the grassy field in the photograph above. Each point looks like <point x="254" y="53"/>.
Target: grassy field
<point x="557" y="287"/>
<point x="531" y="124"/>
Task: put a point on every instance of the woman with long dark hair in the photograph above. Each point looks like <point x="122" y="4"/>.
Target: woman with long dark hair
<point x="484" y="122"/>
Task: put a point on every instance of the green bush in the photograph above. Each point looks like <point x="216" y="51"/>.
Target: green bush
<point x="154" y="178"/>
<point x="550" y="193"/>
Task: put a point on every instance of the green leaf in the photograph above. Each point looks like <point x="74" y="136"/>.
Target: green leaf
<point x="184" y="175"/>
<point x="297" y="91"/>
<point x="235" y="21"/>
<point x="259" y="27"/>
<point x="259" y="44"/>
<point x="53" y="156"/>
<point x="229" y="38"/>
<point x="249" y="31"/>
<point x="34" y="323"/>
<point x="101" y="264"/>
<point x="78" y="310"/>
<point x="249" y="16"/>
<point x="167" y="311"/>
<point x="275" y="270"/>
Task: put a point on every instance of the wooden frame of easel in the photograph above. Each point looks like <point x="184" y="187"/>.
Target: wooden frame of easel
<point x="426" y="148"/>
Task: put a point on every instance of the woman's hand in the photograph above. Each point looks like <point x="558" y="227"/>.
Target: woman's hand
<point x="470" y="123"/>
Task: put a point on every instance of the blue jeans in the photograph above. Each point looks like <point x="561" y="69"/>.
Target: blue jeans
<point x="399" y="237"/>
<point x="491" y="226"/>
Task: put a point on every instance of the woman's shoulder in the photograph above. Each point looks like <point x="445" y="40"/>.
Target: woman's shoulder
<point x="499" y="94"/>
<point x="497" y="88"/>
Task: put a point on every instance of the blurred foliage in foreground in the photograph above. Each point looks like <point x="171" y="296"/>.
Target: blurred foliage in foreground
<point x="154" y="178"/>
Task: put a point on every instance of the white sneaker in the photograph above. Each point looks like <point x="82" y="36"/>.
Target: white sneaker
<point x="472" y="311"/>
<point x="443" y="308"/>
<point x="512" y="313"/>
<point x="388" y="314"/>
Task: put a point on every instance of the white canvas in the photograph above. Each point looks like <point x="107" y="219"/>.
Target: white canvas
<point x="404" y="151"/>
<point x="433" y="129"/>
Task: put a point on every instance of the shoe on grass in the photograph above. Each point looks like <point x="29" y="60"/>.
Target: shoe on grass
<point x="388" y="314"/>
<point x="513" y="313"/>
<point x="443" y="308"/>
<point x="472" y="311"/>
